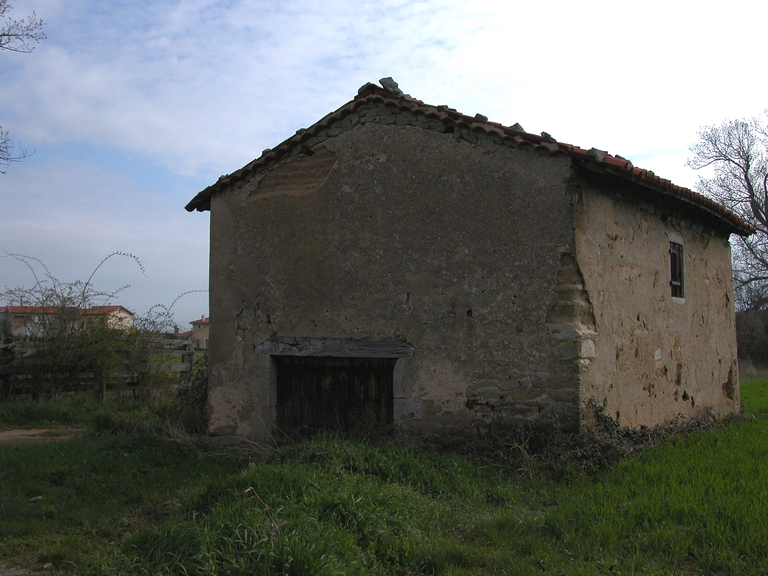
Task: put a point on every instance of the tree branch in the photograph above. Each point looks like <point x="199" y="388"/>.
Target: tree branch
<point x="19" y="35"/>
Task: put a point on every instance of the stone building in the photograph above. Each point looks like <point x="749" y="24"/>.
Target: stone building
<point x="402" y="262"/>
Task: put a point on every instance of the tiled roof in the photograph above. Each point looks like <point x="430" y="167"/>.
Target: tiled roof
<point x="200" y="321"/>
<point x="442" y="116"/>
<point x="57" y="310"/>
<point x="31" y="309"/>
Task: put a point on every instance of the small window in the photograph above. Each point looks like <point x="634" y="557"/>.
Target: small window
<point x="676" y="269"/>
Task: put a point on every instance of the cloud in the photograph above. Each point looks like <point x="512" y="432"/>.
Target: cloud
<point x="201" y="84"/>
<point x="204" y="85"/>
<point x="72" y="209"/>
<point x="134" y="106"/>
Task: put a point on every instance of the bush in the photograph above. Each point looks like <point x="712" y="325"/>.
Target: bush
<point x="193" y="396"/>
<point x="66" y="343"/>
<point x="752" y="336"/>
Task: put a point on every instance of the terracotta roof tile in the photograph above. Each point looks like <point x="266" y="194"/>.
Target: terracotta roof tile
<point x="32" y="309"/>
<point x="373" y="94"/>
<point x="57" y="310"/>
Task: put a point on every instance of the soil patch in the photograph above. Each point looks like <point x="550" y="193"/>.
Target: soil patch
<point x="6" y="570"/>
<point x="38" y="435"/>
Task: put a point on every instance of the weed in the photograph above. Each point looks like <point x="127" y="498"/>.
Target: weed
<point x="685" y="500"/>
<point x="331" y="506"/>
<point x="66" y="410"/>
<point x="193" y="397"/>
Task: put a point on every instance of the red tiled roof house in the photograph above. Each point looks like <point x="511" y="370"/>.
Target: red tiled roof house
<point x="21" y="322"/>
<point x="199" y="333"/>
<point x="117" y="317"/>
<point x="399" y="262"/>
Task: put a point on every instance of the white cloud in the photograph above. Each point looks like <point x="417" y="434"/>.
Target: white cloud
<point x="70" y="213"/>
<point x="180" y="91"/>
<point x="203" y="84"/>
<point x="197" y="86"/>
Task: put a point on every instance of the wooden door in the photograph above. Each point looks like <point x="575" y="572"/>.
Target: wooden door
<point x="327" y="393"/>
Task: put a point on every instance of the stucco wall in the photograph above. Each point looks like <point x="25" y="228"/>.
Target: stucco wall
<point x="120" y="320"/>
<point x="656" y="358"/>
<point x="397" y="232"/>
<point x="200" y="335"/>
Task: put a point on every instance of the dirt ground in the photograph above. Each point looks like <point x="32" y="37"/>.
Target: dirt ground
<point x="37" y="435"/>
<point x="10" y="571"/>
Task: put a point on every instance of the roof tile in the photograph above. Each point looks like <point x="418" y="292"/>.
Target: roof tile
<point x="373" y="94"/>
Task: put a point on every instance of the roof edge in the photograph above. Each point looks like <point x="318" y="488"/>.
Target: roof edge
<point x="390" y="95"/>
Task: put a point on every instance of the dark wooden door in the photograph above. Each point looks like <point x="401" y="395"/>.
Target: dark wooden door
<point x="323" y="393"/>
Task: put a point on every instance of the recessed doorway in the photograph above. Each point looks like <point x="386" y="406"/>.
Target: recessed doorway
<point x="333" y="393"/>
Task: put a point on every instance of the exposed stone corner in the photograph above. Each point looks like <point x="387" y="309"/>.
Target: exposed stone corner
<point x="571" y="318"/>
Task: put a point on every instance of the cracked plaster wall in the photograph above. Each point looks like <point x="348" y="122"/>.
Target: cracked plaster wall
<point x="656" y="358"/>
<point x="453" y="246"/>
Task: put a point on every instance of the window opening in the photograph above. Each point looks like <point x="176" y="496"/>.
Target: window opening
<point x="676" y="269"/>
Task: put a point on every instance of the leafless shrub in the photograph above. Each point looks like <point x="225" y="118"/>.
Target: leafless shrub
<point x="62" y="347"/>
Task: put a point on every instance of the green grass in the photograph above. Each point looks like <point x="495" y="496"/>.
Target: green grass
<point x="700" y="501"/>
<point x="327" y="506"/>
<point x="70" y="410"/>
<point x="696" y="505"/>
<point x="67" y="502"/>
<point x="754" y="393"/>
<point x="141" y="504"/>
<point x="120" y="413"/>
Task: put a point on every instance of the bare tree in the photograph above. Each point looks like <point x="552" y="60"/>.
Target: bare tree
<point x="8" y="153"/>
<point x="737" y="153"/>
<point x="61" y="342"/>
<point x="16" y="36"/>
<point x="19" y="35"/>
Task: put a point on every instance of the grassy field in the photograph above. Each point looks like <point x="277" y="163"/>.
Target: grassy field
<point x="754" y="393"/>
<point x="143" y="503"/>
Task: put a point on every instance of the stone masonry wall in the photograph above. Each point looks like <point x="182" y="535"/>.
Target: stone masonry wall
<point x="445" y="239"/>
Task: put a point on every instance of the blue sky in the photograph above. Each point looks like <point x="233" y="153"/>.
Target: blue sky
<point x="132" y="107"/>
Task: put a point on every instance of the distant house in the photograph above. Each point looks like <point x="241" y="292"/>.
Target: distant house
<point x="25" y="322"/>
<point x="199" y="333"/>
<point x="117" y="317"/>
<point x="403" y="263"/>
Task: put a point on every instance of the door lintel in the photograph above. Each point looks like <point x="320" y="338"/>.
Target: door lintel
<point x="336" y="347"/>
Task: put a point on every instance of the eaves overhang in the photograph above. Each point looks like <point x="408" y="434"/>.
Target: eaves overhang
<point x="647" y="185"/>
<point x="365" y="107"/>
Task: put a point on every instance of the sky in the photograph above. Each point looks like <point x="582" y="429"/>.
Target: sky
<point x="132" y="107"/>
